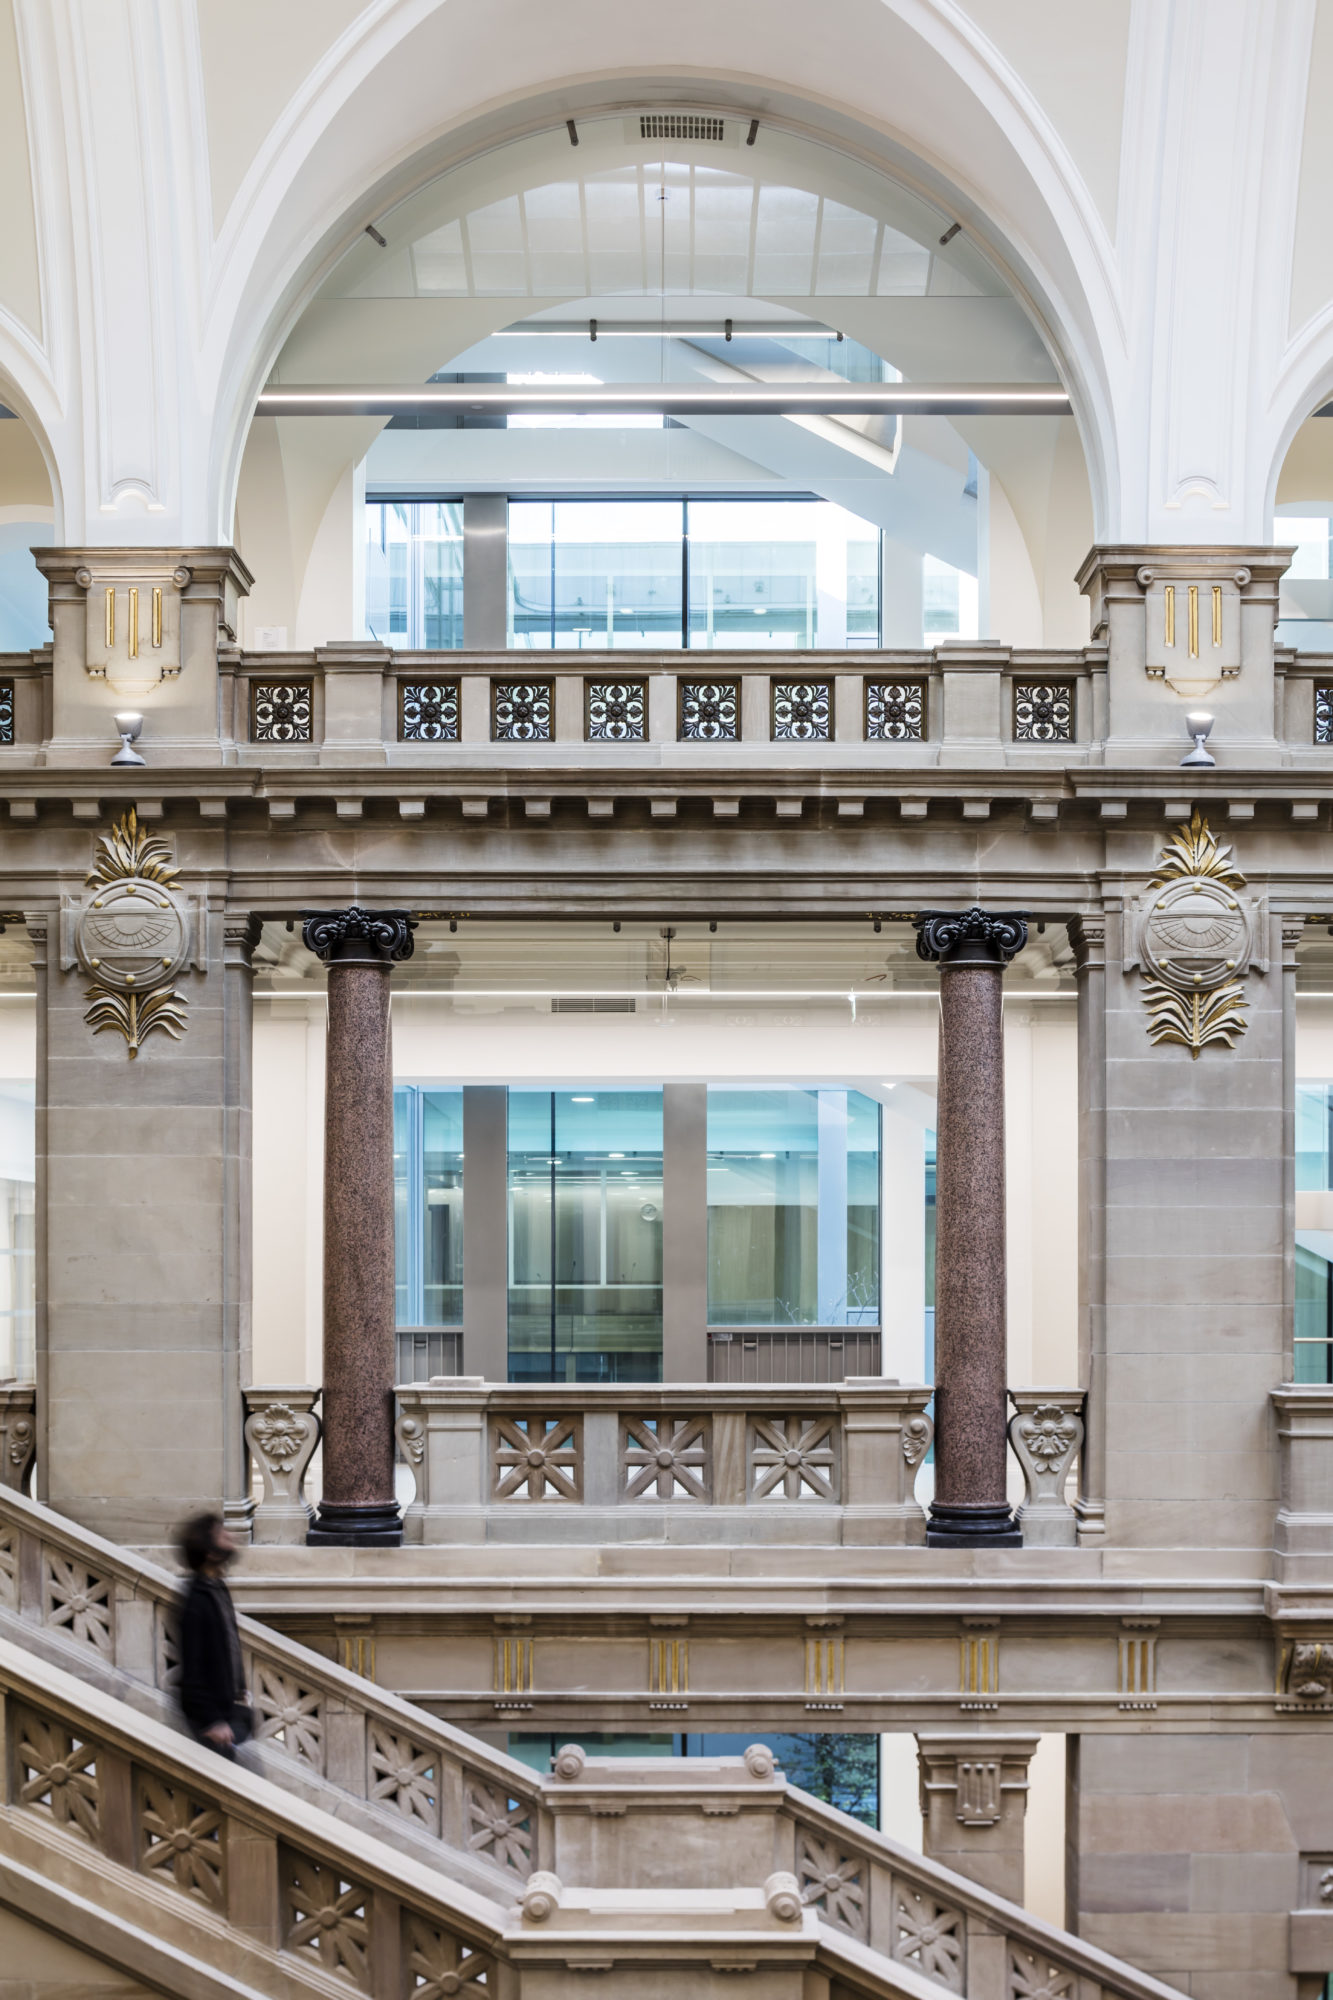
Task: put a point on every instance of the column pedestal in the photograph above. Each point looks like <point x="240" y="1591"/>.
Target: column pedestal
<point x="969" y="1508"/>
<point x="358" y="1508"/>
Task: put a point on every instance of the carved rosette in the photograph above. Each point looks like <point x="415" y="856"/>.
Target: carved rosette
<point x="282" y="1430"/>
<point x="1194" y="941"/>
<point x="131" y="937"/>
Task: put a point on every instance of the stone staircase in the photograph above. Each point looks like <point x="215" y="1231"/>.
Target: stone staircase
<point x="368" y="1845"/>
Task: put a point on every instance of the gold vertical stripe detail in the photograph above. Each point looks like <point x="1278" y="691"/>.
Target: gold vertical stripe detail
<point x="513" y="1666"/>
<point x="110" y="619"/>
<point x="1169" y="614"/>
<point x="134" y="623"/>
<point x="1194" y="621"/>
<point x="157" y="615"/>
<point x="978" y="1663"/>
<point x="1217" y="614"/>
<point x="668" y="1666"/>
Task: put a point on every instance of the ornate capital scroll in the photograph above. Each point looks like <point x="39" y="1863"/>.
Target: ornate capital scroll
<point x="990" y="937"/>
<point x="354" y="935"/>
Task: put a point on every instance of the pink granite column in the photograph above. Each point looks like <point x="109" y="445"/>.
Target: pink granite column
<point x="970" y="1509"/>
<point x="358" y="1507"/>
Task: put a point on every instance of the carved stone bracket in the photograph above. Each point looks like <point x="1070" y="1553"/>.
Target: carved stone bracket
<point x="18" y="1434"/>
<point x="1046" y="1432"/>
<point x="1305" y="1671"/>
<point x="282" y="1430"/>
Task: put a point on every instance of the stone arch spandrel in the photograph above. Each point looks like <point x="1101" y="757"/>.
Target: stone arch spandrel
<point x="908" y="84"/>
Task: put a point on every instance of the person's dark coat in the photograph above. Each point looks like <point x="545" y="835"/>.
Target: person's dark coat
<point x="212" y="1684"/>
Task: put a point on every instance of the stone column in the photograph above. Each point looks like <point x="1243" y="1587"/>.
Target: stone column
<point x="974" y="1796"/>
<point x="972" y="948"/>
<point x="358" y="1508"/>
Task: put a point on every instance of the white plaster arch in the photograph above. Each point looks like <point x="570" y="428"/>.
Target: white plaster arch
<point x="413" y="88"/>
<point x="1306" y="382"/>
<point x="26" y="389"/>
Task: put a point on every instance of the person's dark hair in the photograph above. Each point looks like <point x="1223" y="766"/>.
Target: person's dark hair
<point x="198" y="1539"/>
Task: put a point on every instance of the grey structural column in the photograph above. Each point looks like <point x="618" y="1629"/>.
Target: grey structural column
<point x="685" y="1232"/>
<point x="358" y="1507"/>
<point x="972" y="949"/>
<point x="485" y="572"/>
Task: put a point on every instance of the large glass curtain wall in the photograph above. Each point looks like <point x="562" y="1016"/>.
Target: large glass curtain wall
<point x="793" y="1208"/>
<point x="725" y="575"/>
<point x="585" y="1235"/>
<point x="428" y="1206"/>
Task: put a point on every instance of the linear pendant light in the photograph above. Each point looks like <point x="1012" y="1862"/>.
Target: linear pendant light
<point x="723" y="399"/>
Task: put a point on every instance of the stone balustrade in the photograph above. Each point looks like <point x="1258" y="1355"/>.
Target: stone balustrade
<point x="959" y="702"/>
<point x="716" y="1865"/>
<point x="780" y="1463"/>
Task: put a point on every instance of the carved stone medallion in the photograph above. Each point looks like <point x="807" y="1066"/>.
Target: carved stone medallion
<point x="132" y="936"/>
<point x="1195" y="942"/>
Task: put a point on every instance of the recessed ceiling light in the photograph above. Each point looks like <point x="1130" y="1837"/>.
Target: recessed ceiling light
<point x="615" y="1156"/>
<point x="768" y="1156"/>
<point x="583" y="1100"/>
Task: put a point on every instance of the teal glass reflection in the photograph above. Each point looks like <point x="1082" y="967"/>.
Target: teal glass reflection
<point x="585" y="1235"/>
<point x="428" y="1206"/>
<point x="793" y="1208"/>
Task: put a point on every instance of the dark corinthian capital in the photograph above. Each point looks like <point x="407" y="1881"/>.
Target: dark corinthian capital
<point x="374" y="937"/>
<point x="992" y="937"/>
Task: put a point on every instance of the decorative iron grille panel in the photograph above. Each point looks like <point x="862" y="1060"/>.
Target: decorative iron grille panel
<point x="802" y="711"/>
<point x="616" y="711"/>
<point x="1043" y="711"/>
<point x="521" y="711"/>
<point x="428" y="711"/>
<point x="895" y="711"/>
<point x="1323" y="712"/>
<point x="281" y="711"/>
<point x="6" y="711"/>
<point x="709" y="711"/>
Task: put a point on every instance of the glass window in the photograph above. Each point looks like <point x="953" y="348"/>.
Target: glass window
<point x="585" y="1235"/>
<point x="428" y="1206"/>
<point x="17" y="1225"/>
<point x="1313" y="1328"/>
<point x="414" y="573"/>
<point x="594" y="573"/>
<point x="781" y="573"/>
<point x="949" y="601"/>
<point x="793" y="1208"/>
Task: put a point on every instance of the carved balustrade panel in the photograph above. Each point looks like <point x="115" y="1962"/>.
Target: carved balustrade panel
<point x="834" y="1883"/>
<point x="327" y="1916"/>
<point x="287" y="1713"/>
<point x="403" y="1776"/>
<point x="666" y="1458"/>
<point x="499" y="1825"/>
<point x="77" y="1600"/>
<point x="794" y="1458"/>
<point x="181" y="1840"/>
<point x="929" y="1935"/>
<point x="537" y="1457"/>
<point x="440" y="1965"/>
<point x="57" y="1774"/>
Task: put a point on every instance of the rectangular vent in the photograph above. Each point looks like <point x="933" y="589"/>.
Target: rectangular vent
<point x="592" y="1004"/>
<point x="680" y="125"/>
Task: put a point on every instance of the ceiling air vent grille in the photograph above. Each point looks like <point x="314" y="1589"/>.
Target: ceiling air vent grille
<point x="680" y="125"/>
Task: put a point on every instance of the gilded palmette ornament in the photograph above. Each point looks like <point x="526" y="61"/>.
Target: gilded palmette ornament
<point x="1195" y="943"/>
<point x="132" y="937"/>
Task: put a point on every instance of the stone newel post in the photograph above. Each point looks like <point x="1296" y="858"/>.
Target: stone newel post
<point x="972" y="948"/>
<point x="359" y="947"/>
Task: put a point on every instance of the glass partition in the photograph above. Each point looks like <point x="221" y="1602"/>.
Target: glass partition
<point x="17" y="1224"/>
<point x="428" y="1205"/>
<point x="414" y="573"/>
<point x="585" y="1235"/>
<point x="793" y="1208"/>
<point x="795" y="573"/>
<point x="1313" y="1329"/>
<point x="595" y="573"/>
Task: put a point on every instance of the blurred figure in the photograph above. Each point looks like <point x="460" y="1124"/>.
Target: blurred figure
<point x="212" y="1689"/>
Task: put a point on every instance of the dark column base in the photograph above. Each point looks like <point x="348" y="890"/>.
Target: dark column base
<point x="983" y="1527"/>
<point x="372" y="1525"/>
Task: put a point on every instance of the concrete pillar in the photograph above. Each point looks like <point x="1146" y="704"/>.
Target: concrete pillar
<point x="358" y="1507"/>
<point x="486" y="1231"/>
<point x="685" y="1232"/>
<point x="974" y="1795"/>
<point x="972" y="949"/>
<point x="485" y="572"/>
